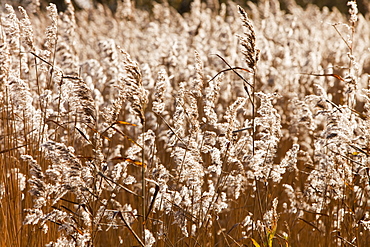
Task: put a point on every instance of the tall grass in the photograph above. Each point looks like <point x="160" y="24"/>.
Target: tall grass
<point x="115" y="130"/>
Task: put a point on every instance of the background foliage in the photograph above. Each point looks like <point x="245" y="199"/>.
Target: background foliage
<point x="184" y="5"/>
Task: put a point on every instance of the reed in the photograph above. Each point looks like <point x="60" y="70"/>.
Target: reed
<point x="126" y="129"/>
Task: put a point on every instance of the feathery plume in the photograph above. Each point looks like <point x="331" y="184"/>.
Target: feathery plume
<point x="26" y="30"/>
<point x="134" y="89"/>
<point x="249" y="41"/>
<point x="353" y="11"/>
<point x="52" y="30"/>
<point x="162" y="81"/>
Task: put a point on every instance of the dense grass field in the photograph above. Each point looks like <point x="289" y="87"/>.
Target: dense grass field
<point x="224" y="126"/>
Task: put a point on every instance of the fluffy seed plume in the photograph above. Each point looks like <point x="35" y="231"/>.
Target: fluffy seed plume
<point x="26" y="29"/>
<point x="86" y="101"/>
<point x="353" y="11"/>
<point x="248" y="42"/>
<point x="135" y="92"/>
<point x="158" y="103"/>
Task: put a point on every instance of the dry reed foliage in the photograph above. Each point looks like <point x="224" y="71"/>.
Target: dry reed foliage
<point x="115" y="131"/>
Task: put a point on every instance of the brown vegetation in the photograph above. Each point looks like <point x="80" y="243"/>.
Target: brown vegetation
<point x="227" y="128"/>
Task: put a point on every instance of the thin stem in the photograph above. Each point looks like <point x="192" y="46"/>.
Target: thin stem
<point x="253" y="111"/>
<point x="143" y="184"/>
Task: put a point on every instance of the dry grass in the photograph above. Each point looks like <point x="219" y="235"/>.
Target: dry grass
<point x="114" y="130"/>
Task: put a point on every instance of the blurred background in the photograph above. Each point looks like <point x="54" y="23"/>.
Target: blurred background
<point x="183" y="6"/>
